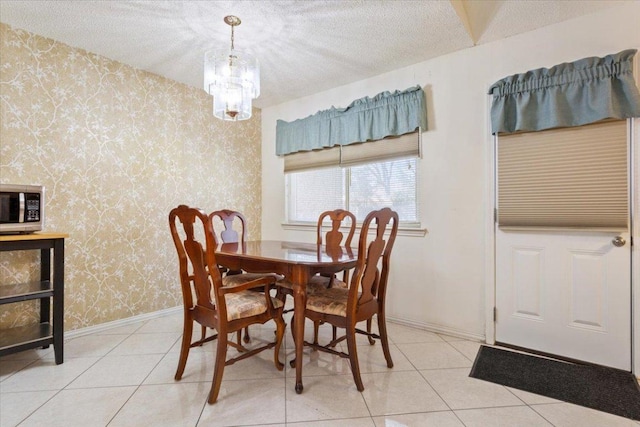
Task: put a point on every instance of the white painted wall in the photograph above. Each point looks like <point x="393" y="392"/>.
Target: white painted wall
<point x="438" y="281"/>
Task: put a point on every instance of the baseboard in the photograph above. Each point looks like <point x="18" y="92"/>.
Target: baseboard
<point x="121" y="322"/>
<point x="439" y="329"/>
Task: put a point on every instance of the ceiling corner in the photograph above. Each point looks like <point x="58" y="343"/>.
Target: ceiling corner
<point x="461" y="11"/>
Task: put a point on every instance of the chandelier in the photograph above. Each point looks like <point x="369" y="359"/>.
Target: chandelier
<point x="233" y="78"/>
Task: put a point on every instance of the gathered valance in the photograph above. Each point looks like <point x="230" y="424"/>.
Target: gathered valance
<point x="365" y="119"/>
<point x="569" y="94"/>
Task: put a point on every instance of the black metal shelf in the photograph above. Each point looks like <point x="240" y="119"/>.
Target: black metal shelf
<point x="25" y="291"/>
<point x="48" y="331"/>
<point x="25" y="337"/>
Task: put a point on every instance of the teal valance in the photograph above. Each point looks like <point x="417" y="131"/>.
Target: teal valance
<point x="569" y="94"/>
<point x="365" y="119"/>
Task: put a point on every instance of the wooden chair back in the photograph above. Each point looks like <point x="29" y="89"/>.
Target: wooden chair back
<point x="369" y="280"/>
<point x="333" y="237"/>
<point x="196" y="261"/>
<point x="229" y="234"/>
<point x="228" y="219"/>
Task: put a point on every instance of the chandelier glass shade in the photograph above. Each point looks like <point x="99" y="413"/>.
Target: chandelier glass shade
<point x="233" y="78"/>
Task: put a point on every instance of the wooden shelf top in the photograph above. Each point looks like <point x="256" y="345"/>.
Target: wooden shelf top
<point x="32" y="236"/>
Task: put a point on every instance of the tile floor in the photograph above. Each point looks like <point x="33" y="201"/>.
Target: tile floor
<point x="124" y="377"/>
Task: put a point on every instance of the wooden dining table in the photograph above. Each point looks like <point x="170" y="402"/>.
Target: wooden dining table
<point x="298" y="262"/>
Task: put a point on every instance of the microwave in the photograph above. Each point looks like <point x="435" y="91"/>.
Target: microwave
<point x="21" y="208"/>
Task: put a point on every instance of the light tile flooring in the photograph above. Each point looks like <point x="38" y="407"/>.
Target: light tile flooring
<point x="124" y="377"/>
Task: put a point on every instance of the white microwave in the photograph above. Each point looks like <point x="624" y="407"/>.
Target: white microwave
<point x="21" y="208"/>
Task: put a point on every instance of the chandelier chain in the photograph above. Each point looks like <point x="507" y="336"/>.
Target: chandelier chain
<point x="232" y="27"/>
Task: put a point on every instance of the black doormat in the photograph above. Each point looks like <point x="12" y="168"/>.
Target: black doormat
<point x="605" y="389"/>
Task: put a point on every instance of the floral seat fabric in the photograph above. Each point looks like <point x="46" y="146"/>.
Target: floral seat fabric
<point x="323" y="282"/>
<point x="328" y="300"/>
<point x="315" y="283"/>
<point x="247" y="304"/>
<point x="239" y="279"/>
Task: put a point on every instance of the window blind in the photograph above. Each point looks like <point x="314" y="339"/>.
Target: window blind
<point x="315" y="159"/>
<point x="564" y="178"/>
<point x="393" y="147"/>
<point x="358" y="189"/>
<point x="311" y="192"/>
<point x="391" y="183"/>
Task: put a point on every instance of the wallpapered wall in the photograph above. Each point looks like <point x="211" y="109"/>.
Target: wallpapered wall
<point x="116" y="149"/>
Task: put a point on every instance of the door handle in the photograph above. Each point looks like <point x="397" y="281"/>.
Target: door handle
<point x="618" y="241"/>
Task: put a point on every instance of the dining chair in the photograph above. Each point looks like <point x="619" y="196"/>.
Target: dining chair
<point x="231" y="221"/>
<point x="230" y="234"/>
<point x="365" y="296"/>
<point x="226" y="309"/>
<point x="333" y="239"/>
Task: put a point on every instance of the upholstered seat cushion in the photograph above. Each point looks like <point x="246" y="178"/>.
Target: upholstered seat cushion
<point x="328" y="300"/>
<point x="247" y="304"/>
<point x="323" y="282"/>
<point x="316" y="282"/>
<point x="239" y="279"/>
<point x="285" y="283"/>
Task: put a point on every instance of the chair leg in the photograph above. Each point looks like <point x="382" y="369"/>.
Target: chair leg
<point x="187" y="330"/>
<point x="281" y="295"/>
<point x="292" y="362"/>
<point x="203" y="333"/>
<point x="247" y="338"/>
<point x="382" y="329"/>
<point x="280" y="327"/>
<point x="316" y="327"/>
<point x="221" y="356"/>
<point x="293" y="332"/>
<point x="371" y="340"/>
<point x="353" y="356"/>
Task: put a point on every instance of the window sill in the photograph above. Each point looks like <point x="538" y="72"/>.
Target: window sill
<point x="307" y="226"/>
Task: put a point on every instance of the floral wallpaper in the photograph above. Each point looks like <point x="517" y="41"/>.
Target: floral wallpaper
<point x="116" y="149"/>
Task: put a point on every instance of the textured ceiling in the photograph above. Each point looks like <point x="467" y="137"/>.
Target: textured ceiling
<point x="303" y="46"/>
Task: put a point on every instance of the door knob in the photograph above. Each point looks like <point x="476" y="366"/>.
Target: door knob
<point x="618" y="241"/>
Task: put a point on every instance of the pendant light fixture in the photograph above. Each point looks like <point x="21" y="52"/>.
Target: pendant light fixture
<point x="233" y="78"/>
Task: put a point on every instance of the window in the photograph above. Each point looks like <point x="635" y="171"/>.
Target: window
<point x="358" y="158"/>
<point x="359" y="188"/>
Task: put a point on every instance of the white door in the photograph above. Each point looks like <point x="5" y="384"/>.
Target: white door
<point x="567" y="294"/>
